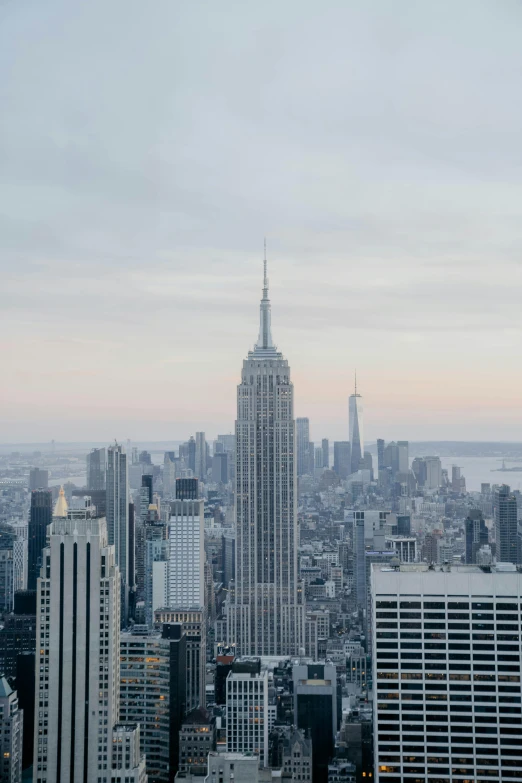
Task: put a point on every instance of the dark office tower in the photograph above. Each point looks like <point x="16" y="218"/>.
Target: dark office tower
<point x="303" y="446"/>
<point x="18" y="634"/>
<point x="220" y="468"/>
<point x="342" y="456"/>
<point x="325" y="445"/>
<point x="40" y="515"/>
<point x="223" y="668"/>
<point x="192" y="454"/>
<point x="96" y="469"/>
<point x="380" y="454"/>
<point x="476" y="534"/>
<point x="505" y="514"/>
<point x="187" y="489"/>
<point x="132" y="559"/>
<point x="315" y="711"/>
<point x="146" y="481"/>
<point x="38" y="479"/>
<point x="178" y="699"/>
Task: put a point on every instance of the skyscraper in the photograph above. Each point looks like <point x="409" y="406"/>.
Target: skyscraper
<point x="186" y="577"/>
<point x="303" y="446"/>
<point x="342" y="461"/>
<point x="325" y="445"/>
<point x="191" y="445"/>
<point x="40" y="515"/>
<point x="78" y="639"/>
<point x="506" y="533"/>
<point x="201" y="456"/>
<point x="11" y="736"/>
<point x="355" y="415"/>
<point x="266" y="614"/>
<point x="96" y="469"/>
<point x="38" y="479"/>
<point x="118" y="517"/>
<point x="476" y="534"/>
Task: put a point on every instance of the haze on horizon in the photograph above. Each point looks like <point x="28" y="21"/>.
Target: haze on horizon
<point x="147" y="148"/>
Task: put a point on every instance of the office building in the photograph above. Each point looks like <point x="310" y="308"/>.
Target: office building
<point x="187" y="489"/>
<point x="266" y="613"/>
<point x="446" y="673"/>
<point x="6" y="578"/>
<point x="325" y="445"/>
<point x="342" y="458"/>
<point x="318" y="458"/>
<point x="220" y="468"/>
<point x="154" y="695"/>
<point x="156" y="557"/>
<point x="197" y="738"/>
<point x="11" y="734"/>
<point x="40" y="516"/>
<point x="201" y="456"/>
<point x="38" y="479"/>
<point x="118" y="519"/>
<point x="403" y="459"/>
<point x="228" y="553"/>
<point x="315" y="711"/>
<point x="18" y="634"/>
<point x="147" y="483"/>
<point x="247" y="709"/>
<point x="96" y="469"/>
<point x="506" y="532"/>
<point x="380" y="453"/>
<point x="303" y="445"/>
<point x="128" y="765"/>
<point x="187" y="553"/>
<point x="477" y="534"/>
<point x="355" y="416"/>
<point x="193" y="624"/>
<point x="78" y="629"/>
<point x="433" y="472"/>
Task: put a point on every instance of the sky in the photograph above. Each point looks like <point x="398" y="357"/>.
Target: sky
<point x="146" y="149"/>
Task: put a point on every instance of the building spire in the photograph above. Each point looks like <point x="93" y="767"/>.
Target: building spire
<point x="356" y="382"/>
<point x="265" y="342"/>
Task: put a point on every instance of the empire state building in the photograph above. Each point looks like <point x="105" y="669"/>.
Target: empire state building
<point x="266" y="613"/>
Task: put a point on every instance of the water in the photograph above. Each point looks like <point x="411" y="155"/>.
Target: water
<point x="478" y="470"/>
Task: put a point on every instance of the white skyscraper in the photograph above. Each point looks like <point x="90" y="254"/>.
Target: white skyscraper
<point x="247" y="696"/>
<point x="355" y="416"/>
<point x="78" y="644"/>
<point x="446" y="673"/>
<point x="11" y="734"/>
<point x="266" y="614"/>
<point x="186" y="566"/>
<point x="118" y="518"/>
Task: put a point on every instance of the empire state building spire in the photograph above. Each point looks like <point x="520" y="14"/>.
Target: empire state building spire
<point x="265" y="344"/>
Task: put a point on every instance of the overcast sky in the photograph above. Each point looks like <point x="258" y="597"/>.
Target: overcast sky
<point x="147" y="147"/>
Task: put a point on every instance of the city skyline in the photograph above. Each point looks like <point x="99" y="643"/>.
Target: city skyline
<point x="386" y="183"/>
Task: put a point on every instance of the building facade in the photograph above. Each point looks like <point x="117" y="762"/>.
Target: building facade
<point x="40" y="516"/>
<point x="118" y="518"/>
<point x="11" y="734"/>
<point x="247" y="709"/>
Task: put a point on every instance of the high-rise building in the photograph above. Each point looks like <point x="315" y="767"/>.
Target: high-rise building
<point x="40" y="516"/>
<point x="266" y="613"/>
<point x="201" y="456"/>
<point x="128" y="765"/>
<point x="118" y="519"/>
<point x="318" y="458"/>
<point x="191" y="445"/>
<point x="193" y="622"/>
<point x="154" y="695"/>
<point x="220" y="468"/>
<point x="380" y="454"/>
<point x="228" y="552"/>
<point x="315" y="711"/>
<point x="96" y="469"/>
<point x="187" y="489"/>
<point x="6" y="578"/>
<point x="325" y="445"/>
<point x="403" y="460"/>
<point x="78" y="635"/>
<point x="186" y="577"/>
<point x="342" y="458"/>
<point x="355" y="416"/>
<point x="197" y="738"/>
<point x="247" y="709"/>
<point x="477" y="534"/>
<point x="232" y="768"/>
<point x="303" y="445"/>
<point x="147" y="483"/>
<point x="11" y="734"/>
<point x="18" y="634"/>
<point x="447" y="657"/>
<point x="38" y="479"/>
<point x="506" y="532"/>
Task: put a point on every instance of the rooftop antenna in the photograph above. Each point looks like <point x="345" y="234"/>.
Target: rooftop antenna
<point x="356" y="383"/>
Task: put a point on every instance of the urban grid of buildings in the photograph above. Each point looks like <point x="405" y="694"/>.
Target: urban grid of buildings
<point x="259" y="606"/>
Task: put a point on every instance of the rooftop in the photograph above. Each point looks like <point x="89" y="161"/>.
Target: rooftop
<point x="420" y="568"/>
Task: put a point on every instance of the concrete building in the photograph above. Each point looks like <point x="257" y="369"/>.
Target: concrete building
<point x="11" y="734"/>
<point x="247" y="709"/>
<point x="186" y="570"/>
<point x="197" y="738"/>
<point x="446" y="673"/>
<point x="506" y="525"/>
<point x="78" y="641"/>
<point x="232" y="768"/>
<point x="128" y="765"/>
<point x="266" y="612"/>
<point x="297" y="757"/>
<point x="477" y="534"/>
<point x="325" y="445"/>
